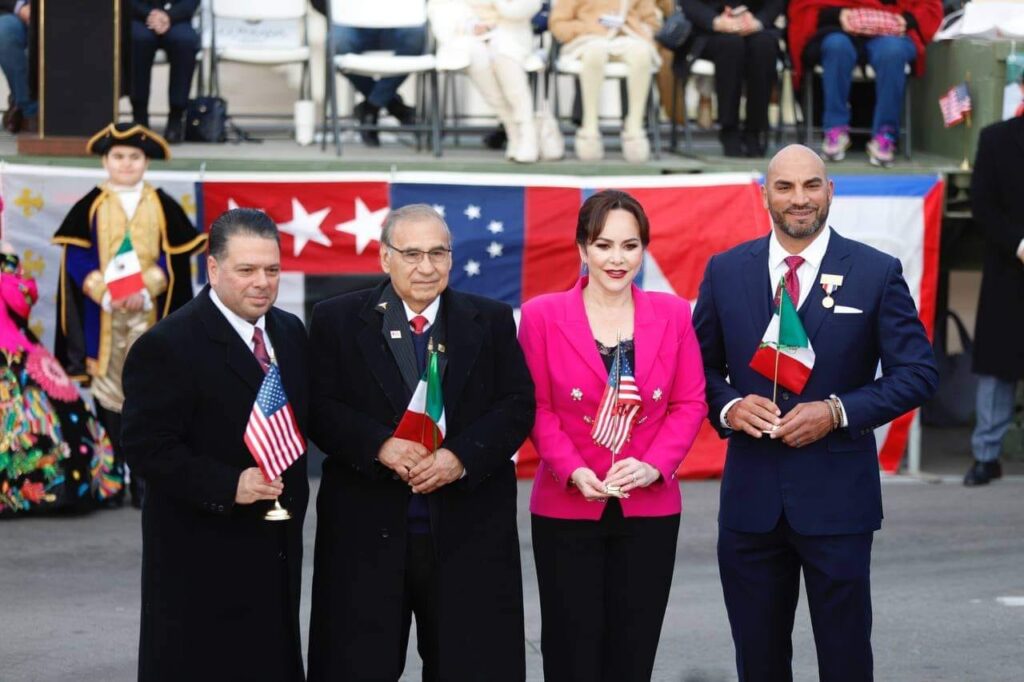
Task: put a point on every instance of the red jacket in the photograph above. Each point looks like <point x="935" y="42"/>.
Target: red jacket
<point x="802" y="20"/>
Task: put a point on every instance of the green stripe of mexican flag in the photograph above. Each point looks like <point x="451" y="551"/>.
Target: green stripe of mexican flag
<point x="424" y="420"/>
<point x="123" y="275"/>
<point x="785" y="347"/>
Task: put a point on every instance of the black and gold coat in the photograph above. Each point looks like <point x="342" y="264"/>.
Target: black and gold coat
<point x="91" y="233"/>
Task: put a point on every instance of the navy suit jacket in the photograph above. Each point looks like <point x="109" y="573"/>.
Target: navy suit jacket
<point x="832" y="486"/>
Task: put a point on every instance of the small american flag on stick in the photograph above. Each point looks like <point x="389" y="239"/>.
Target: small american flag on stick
<point x="955" y="104"/>
<point x="272" y="435"/>
<point x="619" y="406"/>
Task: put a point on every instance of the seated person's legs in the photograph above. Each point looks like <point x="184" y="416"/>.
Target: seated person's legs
<point x="888" y="56"/>
<point x="593" y="58"/>
<point x="727" y="52"/>
<point x="144" y="46"/>
<point x="760" y="59"/>
<point x="14" y="62"/>
<point x="404" y="41"/>
<point x="181" y="42"/>
<point x="838" y="57"/>
<point x="353" y="40"/>
<point x="637" y="57"/>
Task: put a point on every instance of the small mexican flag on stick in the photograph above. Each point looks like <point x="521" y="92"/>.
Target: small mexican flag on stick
<point x="123" y="275"/>
<point x="785" y="355"/>
<point x="423" y="421"/>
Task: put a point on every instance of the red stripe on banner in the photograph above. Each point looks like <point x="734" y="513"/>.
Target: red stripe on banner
<point x="691" y="224"/>
<point x="895" y="446"/>
<point x="551" y="261"/>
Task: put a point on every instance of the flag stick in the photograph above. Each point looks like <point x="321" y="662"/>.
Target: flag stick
<point x="775" y="381"/>
<point x="965" y="165"/>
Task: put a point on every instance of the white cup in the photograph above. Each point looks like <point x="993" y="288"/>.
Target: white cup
<point x="305" y="121"/>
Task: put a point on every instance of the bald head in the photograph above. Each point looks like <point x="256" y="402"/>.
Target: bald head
<point x="797" y="194"/>
<point x="796" y="156"/>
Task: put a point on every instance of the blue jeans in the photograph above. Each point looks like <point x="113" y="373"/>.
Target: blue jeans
<point x="406" y="41"/>
<point x="14" y="61"/>
<point x="994" y="404"/>
<point x="887" y="55"/>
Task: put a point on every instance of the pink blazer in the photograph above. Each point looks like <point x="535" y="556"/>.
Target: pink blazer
<point x="570" y="380"/>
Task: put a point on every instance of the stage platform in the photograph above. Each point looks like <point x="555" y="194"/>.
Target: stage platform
<point x="273" y="152"/>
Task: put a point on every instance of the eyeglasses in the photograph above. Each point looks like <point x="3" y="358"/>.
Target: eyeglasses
<point x="438" y="256"/>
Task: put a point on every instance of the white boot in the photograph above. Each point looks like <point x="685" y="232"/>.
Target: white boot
<point x="512" y="134"/>
<point x="526" y="150"/>
<point x="511" y="81"/>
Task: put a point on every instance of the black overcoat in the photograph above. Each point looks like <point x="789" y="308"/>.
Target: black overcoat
<point x="997" y="200"/>
<point x="220" y="585"/>
<point x="358" y="394"/>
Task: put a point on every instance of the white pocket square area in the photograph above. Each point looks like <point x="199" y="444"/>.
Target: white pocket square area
<point x="847" y="310"/>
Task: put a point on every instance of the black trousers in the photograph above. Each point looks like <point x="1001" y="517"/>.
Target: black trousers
<point x="761" y="582"/>
<point x="180" y="42"/>
<point x="421" y="599"/>
<point x="743" y="61"/>
<point x="604" y="587"/>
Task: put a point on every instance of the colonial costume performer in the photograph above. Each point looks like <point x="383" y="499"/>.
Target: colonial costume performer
<point x="125" y="266"/>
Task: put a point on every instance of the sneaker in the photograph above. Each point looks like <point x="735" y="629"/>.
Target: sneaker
<point x="836" y="142"/>
<point x="882" y="149"/>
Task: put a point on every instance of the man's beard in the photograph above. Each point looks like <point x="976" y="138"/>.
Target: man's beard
<point x="795" y="232"/>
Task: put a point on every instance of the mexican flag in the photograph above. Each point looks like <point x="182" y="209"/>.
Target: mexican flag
<point x="123" y="275"/>
<point x="423" y="420"/>
<point x="785" y="351"/>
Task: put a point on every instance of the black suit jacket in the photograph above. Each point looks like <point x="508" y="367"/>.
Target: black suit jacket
<point x="997" y="199"/>
<point x="218" y="582"/>
<point x="358" y="394"/>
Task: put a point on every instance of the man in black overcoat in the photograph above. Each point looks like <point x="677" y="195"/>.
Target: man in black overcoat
<point x="402" y="530"/>
<point x="997" y="200"/>
<point x="220" y="584"/>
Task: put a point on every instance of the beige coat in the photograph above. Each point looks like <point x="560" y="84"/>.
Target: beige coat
<point x="572" y="19"/>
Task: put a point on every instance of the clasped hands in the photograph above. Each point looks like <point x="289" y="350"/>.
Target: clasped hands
<point x="744" y="23"/>
<point x="423" y="470"/>
<point x="627" y="474"/>
<point x="757" y="416"/>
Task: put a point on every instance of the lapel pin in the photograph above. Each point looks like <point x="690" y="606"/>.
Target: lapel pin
<point x="657" y="394"/>
<point x="577" y="394"/>
<point x="395" y="334"/>
<point x="383" y="305"/>
<point x="440" y="348"/>
<point x="588" y="419"/>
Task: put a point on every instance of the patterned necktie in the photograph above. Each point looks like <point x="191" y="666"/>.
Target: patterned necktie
<point x="792" y="281"/>
<point x="259" y="349"/>
<point x="418" y="323"/>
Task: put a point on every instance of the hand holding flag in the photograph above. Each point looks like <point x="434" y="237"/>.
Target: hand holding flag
<point x="785" y="355"/>
<point x="123" y="274"/>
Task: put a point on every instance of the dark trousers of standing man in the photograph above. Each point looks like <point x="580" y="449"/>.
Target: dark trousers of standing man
<point x="604" y="587"/>
<point x="761" y="581"/>
<point x="180" y="43"/>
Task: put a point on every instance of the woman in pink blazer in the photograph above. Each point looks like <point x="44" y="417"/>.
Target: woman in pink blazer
<point x="604" y="562"/>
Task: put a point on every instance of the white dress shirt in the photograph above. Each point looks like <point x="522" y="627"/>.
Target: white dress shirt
<point x="806" y="274"/>
<point x="244" y="327"/>
<point x="129" y="197"/>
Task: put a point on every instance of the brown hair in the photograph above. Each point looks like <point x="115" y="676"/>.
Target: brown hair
<point x="594" y="213"/>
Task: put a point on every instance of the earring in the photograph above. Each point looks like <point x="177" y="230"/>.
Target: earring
<point x="584" y="270"/>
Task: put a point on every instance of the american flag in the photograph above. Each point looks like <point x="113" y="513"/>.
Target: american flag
<point x="954" y="104"/>
<point x="619" y="406"/>
<point x="272" y="435"/>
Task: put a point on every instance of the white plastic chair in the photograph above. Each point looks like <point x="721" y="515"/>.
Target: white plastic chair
<point x="255" y="11"/>
<point x="360" y="14"/>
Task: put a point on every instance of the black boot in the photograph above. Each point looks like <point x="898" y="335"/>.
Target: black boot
<point x="731" y="143"/>
<point x="367" y="114"/>
<point x="175" y="132"/>
<point x="405" y="114"/>
<point x="140" y="113"/>
<point x="496" y="139"/>
<point x="753" y="143"/>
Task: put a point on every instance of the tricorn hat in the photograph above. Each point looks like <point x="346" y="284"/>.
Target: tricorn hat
<point x="129" y="135"/>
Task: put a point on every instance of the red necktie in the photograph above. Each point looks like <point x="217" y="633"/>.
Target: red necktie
<point x="259" y="349"/>
<point x="1020" y="110"/>
<point x="418" y="323"/>
<point x="792" y="281"/>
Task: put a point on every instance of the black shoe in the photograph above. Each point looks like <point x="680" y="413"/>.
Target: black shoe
<point x="753" y="147"/>
<point x="405" y="114"/>
<point x="496" y="139"/>
<point x="12" y="117"/>
<point x="367" y="115"/>
<point x="981" y="473"/>
<point x="174" y="133"/>
<point x="731" y="143"/>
